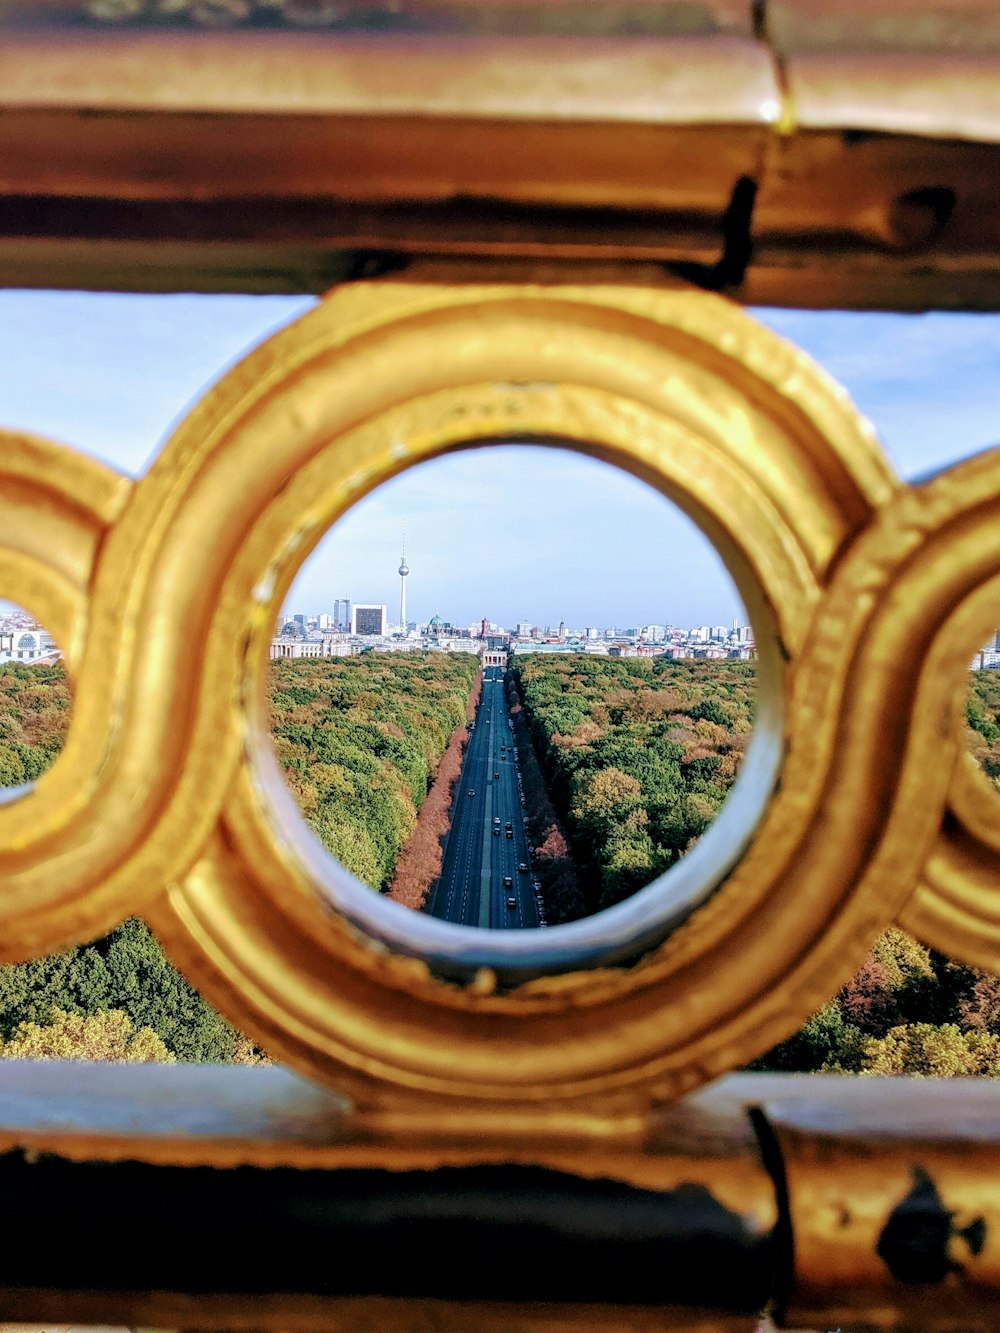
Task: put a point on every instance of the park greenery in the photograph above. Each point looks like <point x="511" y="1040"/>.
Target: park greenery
<point x="120" y="992"/>
<point x="908" y="1010"/>
<point x="34" y="712"/>
<point x="633" y="756"/>
<point x="982" y="715"/>
<point x="359" y="740"/>
<point x="638" y="754"/>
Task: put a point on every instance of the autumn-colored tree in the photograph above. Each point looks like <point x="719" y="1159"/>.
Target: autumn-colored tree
<point x="867" y="1001"/>
<point x="659" y="739"/>
<point x="608" y="794"/>
<point x="421" y="858"/>
<point x="982" y="718"/>
<point x="123" y="974"/>
<point x="245" y="1052"/>
<point x="980" y="1009"/>
<point x="108" y="1035"/>
<point x="943" y="1051"/>
<point x="360" y="740"/>
<point x="907" y="1010"/>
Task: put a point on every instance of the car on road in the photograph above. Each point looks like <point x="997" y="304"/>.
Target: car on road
<point x="522" y="869"/>
<point x="509" y="833"/>
<point x="497" y="773"/>
<point x="496" y="819"/>
<point x="536" y="884"/>
<point x="508" y="882"/>
<point x="472" y="791"/>
<point x="511" y="902"/>
<point x="496" y="831"/>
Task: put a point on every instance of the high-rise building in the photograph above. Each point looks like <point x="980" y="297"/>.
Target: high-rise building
<point x="368" y="618"/>
<point x="342" y="613"/>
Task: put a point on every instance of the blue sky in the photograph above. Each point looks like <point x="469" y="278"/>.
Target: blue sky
<point x="502" y="532"/>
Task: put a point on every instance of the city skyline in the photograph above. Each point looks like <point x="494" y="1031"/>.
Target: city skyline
<point x="608" y="529"/>
<point x="128" y="366"/>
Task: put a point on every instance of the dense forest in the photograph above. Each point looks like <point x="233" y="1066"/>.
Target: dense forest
<point x="638" y="754"/>
<point x="120" y="993"/>
<point x="909" y="1010"/>
<point x="982" y="714"/>
<point x="34" y="714"/>
<point x="358" y="738"/>
<point x="634" y="757"/>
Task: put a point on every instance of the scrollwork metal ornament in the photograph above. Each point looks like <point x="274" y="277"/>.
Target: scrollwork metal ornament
<point x="167" y="800"/>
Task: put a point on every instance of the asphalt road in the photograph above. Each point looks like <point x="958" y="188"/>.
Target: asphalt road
<point x="470" y="890"/>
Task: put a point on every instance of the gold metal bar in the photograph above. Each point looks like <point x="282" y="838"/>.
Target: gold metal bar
<point x="881" y="1195"/>
<point x="893" y="1202"/>
<point x="561" y="1233"/>
<point x="880" y="185"/>
<point x="865" y="146"/>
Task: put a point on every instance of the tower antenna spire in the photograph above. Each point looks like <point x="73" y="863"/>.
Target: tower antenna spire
<point x="404" y="569"/>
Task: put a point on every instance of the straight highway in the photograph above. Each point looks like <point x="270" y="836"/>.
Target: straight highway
<point x="482" y="882"/>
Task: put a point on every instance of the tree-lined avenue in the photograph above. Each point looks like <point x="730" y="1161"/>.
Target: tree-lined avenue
<point x="470" y="890"/>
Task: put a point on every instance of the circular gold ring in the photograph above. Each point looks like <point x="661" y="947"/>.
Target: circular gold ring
<point x="687" y="393"/>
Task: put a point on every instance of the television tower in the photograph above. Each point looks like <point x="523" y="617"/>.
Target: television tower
<point x="404" y="569"/>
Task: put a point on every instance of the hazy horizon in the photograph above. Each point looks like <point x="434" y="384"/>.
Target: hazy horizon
<point x="475" y="547"/>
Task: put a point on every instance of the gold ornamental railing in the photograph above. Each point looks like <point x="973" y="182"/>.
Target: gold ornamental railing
<point x="528" y="214"/>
